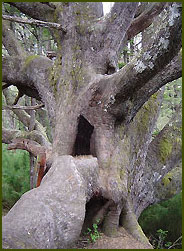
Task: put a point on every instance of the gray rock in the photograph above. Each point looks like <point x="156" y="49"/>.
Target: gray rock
<point x="52" y="215"/>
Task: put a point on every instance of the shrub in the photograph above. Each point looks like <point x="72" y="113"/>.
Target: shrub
<point x="166" y="215"/>
<point x="15" y="175"/>
<point x="94" y="232"/>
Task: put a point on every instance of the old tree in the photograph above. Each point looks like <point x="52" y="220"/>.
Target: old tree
<point x="105" y="114"/>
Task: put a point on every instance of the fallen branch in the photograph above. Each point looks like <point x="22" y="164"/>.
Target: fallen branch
<point x="34" y="21"/>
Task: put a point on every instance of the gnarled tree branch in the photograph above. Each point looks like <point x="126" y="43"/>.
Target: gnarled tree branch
<point x="31" y="76"/>
<point x="122" y="85"/>
<point x="13" y="73"/>
<point x="145" y="19"/>
<point x="164" y="151"/>
<point x="116" y="25"/>
<point x="35" y="10"/>
<point x="169" y="73"/>
<point x="9" y="135"/>
<point x="11" y="44"/>
<point x="24" y="117"/>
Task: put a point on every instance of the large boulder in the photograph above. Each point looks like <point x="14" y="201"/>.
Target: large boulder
<point x="52" y="215"/>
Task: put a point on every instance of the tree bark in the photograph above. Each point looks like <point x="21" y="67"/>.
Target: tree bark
<point x="93" y="109"/>
<point x="31" y="128"/>
<point x="145" y="19"/>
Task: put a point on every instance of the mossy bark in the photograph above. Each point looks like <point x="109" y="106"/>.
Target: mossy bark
<point x="129" y="222"/>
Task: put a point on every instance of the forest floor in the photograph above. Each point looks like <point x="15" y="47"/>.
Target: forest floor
<point x="122" y="241"/>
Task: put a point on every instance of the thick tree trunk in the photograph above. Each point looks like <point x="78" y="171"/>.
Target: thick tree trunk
<point x="95" y="111"/>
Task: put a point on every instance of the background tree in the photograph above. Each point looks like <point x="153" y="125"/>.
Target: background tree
<point x="93" y="108"/>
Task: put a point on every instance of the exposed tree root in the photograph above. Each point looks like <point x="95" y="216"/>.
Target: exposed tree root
<point x="129" y="222"/>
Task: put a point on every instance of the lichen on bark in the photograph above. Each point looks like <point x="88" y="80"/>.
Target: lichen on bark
<point x="29" y="60"/>
<point x="165" y="149"/>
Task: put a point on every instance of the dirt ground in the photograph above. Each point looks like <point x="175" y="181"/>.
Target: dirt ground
<point x="122" y="241"/>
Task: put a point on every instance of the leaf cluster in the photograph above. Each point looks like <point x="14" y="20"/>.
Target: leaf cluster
<point x="94" y="232"/>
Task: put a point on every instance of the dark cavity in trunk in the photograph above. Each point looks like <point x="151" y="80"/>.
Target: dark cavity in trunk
<point x="93" y="208"/>
<point x="82" y="142"/>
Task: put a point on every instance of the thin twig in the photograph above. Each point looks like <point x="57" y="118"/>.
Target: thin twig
<point x="175" y="243"/>
<point x="35" y="107"/>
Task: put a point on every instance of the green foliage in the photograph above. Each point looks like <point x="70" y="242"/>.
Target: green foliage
<point x="8" y="9"/>
<point x="155" y="133"/>
<point x="159" y="243"/>
<point x="165" y="215"/>
<point x="121" y="65"/>
<point x="93" y="233"/>
<point x="15" y="175"/>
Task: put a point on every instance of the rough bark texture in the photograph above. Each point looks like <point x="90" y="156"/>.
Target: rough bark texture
<point x="145" y="19"/>
<point x="95" y="109"/>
